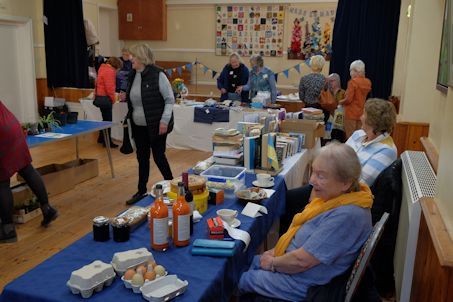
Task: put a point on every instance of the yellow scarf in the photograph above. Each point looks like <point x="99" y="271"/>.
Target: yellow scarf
<point x="363" y="199"/>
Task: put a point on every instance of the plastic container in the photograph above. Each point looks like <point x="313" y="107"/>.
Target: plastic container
<point x="201" y="201"/>
<point x="163" y="289"/>
<point x="122" y="261"/>
<point x="91" y="278"/>
<point x="228" y="178"/>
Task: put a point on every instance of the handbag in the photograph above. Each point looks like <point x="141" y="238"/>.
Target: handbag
<point x="128" y="142"/>
<point x="327" y="101"/>
<point x="102" y="102"/>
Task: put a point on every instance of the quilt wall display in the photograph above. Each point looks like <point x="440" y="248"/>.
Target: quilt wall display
<point x="250" y="29"/>
<point x="311" y="32"/>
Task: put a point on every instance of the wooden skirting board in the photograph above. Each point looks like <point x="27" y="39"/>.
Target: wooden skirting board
<point x="433" y="268"/>
<point x="431" y="152"/>
<point x="406" y="136"/>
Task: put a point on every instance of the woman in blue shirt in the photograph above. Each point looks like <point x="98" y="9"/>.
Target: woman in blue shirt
<point x="261" y="78"/>
<point x="324" y="239"/>
<point x="234" y="75"/>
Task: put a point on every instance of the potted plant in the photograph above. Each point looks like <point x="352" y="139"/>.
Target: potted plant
<point x="47" y="122"/>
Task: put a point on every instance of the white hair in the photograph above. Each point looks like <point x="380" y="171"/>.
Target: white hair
<point x="317" y="62"/>
<point x="357" y="66"/>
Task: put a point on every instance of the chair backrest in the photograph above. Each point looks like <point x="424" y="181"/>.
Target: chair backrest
<point x="364" y="257"/>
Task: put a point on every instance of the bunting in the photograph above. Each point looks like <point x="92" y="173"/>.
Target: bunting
<point x="214" y="73"/>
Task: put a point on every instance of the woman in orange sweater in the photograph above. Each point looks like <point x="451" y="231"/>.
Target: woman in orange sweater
<point x="105" y="87"/>
<point x="358" y="88"/>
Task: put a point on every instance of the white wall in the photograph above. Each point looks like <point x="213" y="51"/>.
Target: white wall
<point x="109" y="45"/>
<point x="17" y="81"/>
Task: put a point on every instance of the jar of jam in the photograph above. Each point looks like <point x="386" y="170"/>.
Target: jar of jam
<point x="101" y="228"/>
<point x="121" y="229"/>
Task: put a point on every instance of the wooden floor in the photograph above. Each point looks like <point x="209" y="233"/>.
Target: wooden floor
<point x="98" y="196"/>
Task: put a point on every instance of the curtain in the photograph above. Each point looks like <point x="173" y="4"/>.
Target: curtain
<point x="65" y="42"/>
<point x="366" y="30"/>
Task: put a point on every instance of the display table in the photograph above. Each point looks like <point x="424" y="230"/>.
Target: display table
<point x="74" y="131"/>
<point x="186" y="133"/>
<point x="93" y="113"/>
<point x="210" y="278"/>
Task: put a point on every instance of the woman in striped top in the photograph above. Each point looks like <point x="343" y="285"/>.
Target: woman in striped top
<point x="373" y="144"/>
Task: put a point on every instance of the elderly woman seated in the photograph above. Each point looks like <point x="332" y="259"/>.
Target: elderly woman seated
<point x="373" y="144"/>
<point x="324" y="239"/>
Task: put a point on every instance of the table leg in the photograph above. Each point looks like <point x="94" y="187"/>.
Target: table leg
<point x="109" y="150"/>
<point x="77" y="147"/>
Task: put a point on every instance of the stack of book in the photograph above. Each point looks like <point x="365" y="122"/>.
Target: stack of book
<point x="313" y="114"/>
<point x="288" y="144"/>
<point x="228" y="149"/>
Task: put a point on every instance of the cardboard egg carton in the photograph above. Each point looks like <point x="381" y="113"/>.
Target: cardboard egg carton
<point x="136" y="288"/>
<point x="91" y="278"/>
<point x="163" y="289"/>
<point x="122" y="261"/>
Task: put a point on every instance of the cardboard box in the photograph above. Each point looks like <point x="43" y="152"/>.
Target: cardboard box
<point x="84" y="169"/>
<point x="21" y="194"/>
<point x="21" y="217"/>
<point x="56" y="178"/>
<point x="311" y="129"/>
<point x="60" y="178"/>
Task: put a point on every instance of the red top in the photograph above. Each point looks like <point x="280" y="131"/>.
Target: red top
<point x="14" y="154"/>
<point x="106" y="81"/>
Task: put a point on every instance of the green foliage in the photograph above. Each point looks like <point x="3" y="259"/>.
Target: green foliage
<point x="49" y="120"/>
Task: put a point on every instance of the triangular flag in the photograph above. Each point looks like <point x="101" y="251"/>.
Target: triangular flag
<point x="189" y="67"/>
<point x="183" y="67"/>
<point x="169" y="72"/>
<point x="205" y="69"/>
<point x="174" y="69"/>
<point x="214" y="73"/>
<point x="297" y="68"/>
<point x="307" y="61"/>
<point x="276" y="77"/>
<point x="179" y="70"/>
<point x="286" y="72"/>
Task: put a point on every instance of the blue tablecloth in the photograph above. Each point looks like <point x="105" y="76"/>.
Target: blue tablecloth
<point x="80" y="128"/>
<point x="210" y="278"/>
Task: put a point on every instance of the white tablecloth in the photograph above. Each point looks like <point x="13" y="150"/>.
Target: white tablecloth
<point x="198" y="136"/>
<point x="93" y="113"/>
<point x="186" y="133"/>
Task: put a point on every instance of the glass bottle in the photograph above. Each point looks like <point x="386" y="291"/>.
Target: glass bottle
<point x="159" y="222"/>
<point x="189" y="198"/>
<point x="181" y="218"/>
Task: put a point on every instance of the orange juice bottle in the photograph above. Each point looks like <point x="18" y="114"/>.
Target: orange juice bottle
<point x="159" y="222"/>
<point x="181" y="219"/>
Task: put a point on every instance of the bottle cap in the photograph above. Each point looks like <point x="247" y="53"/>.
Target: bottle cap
<point x="100" y="220"/>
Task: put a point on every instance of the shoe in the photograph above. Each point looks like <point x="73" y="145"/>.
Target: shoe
<point x="8" y="233"/>
<point x="137" y="197"/>
<point x="49" y="214"/>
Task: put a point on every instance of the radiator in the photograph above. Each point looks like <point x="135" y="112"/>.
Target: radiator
<point x="419" y="181"/>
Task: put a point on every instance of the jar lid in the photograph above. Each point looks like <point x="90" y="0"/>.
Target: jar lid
<point x="119" y="222"/>
<point x="100" y="220"/>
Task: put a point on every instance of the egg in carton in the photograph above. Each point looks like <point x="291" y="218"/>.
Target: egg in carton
<point x="91" y="278"/>
<point x="136" y="278"/>
<point x="122" y="261"/>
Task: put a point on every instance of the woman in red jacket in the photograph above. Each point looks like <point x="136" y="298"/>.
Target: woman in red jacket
<point x="105" y="87"/>
<point x="15" y="157"/>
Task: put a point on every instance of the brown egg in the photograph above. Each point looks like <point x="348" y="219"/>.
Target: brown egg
<point x="141" y="269"/>
<point x="150" y="276"/>
<point x="129" y="274"/>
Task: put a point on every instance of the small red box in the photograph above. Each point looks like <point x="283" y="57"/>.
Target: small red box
<point x="215" y="228"/>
